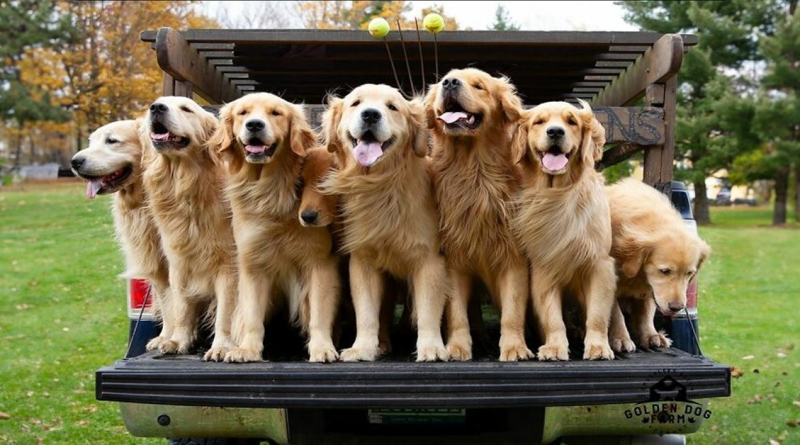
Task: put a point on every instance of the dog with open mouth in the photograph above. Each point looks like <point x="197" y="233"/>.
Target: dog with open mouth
<point x="184" y="184"/>
<point x="473" y="116"/>
<point x="283" y="258"/>
<point x="564" y="224"/>
<point x="112" y="164"/>
<point x="388" y="212"/>
<point x="657" y="257"/>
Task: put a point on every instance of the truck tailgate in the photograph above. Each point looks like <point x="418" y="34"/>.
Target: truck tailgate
<point x="188" y="380"/>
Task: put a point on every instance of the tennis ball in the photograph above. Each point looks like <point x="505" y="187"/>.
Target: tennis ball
<point x="433" y="23"/>
<point x="378" y="27"/>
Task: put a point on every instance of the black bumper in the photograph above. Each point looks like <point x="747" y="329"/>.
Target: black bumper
<point x="187" y="380"/>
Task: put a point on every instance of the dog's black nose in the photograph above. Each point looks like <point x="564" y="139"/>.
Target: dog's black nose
<point x="370" y="115"/>
<point x="309" y="216"/>
<point x="158" y="108"/>
<point x="255" y="125"/>
<point x="77" y="162"/>
<point x="555" y="132"/>
<point x="451" y="84"/>
<point x="675" y="306"/>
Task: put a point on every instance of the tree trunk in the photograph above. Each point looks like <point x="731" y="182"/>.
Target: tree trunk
<point x="701" y="213"/>
<point x="797" y="192"/>
<point x="781" y="192"/>
<point x="18" y="154"/>
<point x="33" y="147"/>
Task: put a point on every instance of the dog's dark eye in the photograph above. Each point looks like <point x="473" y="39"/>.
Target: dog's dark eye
<point x="186" y="109"/>
<point x="572" y="121"/>
<point x="276" y="113"/>
<point x="478" y="86"/>
<point x="111" y="141"/>
<point x="391" y="107"/>
<point x="538" y="122"/>
<point x="356" y="103"/>
<point x="243" y="112"/>
<point x="665" y="271"/>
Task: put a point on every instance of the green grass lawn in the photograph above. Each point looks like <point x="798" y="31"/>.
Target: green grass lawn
<point x="63" y="317"/>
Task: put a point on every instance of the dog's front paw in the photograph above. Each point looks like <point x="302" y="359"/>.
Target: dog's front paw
<point x="654" y="340"/>
<point x="215" y="354"/>
<point x="597" y="350"/>
<point x="242" y="355"/>
<point x="514" y="351"/>
<point x="458" y="351"/>
<point x="360" y="354"/>
<point x="622" y="344"/>
<point x="174" y="347"/>
<point x="553" y="352"/>
<point x="432" y="352"/>
<point x="155" y="343"/>
<point x="322" y="353"/>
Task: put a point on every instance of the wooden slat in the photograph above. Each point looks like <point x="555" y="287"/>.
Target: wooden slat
<point x="657" y="63"/>
<point x="167" y="85"/>
<point x="183" y="89"/>
<point x="632" y="125"/>
<point x="545" y="38"/>
<point x="617" y="154"/>
<point x="659" y="160"/>
<point x="181" y="61"/>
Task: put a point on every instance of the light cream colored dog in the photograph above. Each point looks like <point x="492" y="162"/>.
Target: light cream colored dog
<point x="184" y="183"/>
<point x="473" y="116"/>
<point x="389" y="214"/>
<point x="281" y="256"/>
<point x="657" y="256"/>
<point x="112" y="164"/>
<point x="564" y="224"/>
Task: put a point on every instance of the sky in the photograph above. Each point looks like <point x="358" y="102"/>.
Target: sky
<point x="534" y="16"/>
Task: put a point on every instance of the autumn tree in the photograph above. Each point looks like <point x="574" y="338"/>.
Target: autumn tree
<point x="502" y="20"/>
<point x="335" y="14"/>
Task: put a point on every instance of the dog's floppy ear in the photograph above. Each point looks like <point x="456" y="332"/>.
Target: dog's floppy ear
<point x="330" y="123"/>
<point x="419" y="129"/>
<point x="428" y="104"/>
<point x="632" y="262"/>
<point x="209" y="124"/>
<point x="705" y="251"/>
<point x="510" y="103"/>
<point x="594" y="135"/>
<point x="221" y="143"/>
<point x="301" y="135"/>
<point x="520" y="149"/>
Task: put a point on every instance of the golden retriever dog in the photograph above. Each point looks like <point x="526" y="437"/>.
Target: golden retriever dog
<point x="473" y="116"/>
<point x="112" y="164"/>
<point x="316" y="208"/>
<point x="388" y="211"/>
<point x="564" y="224"/>
<point x="184" y="185"/>
<point x="656" y="256"/>
<point x="284" y="255"/>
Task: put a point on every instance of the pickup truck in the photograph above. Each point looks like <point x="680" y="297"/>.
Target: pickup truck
<point x="653" y="396"/>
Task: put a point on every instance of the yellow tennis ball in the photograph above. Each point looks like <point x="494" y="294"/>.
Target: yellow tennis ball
<point x="378" y="27"/>
<point x="433" y="23"/>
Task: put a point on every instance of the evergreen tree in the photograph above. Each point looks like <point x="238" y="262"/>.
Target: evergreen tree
<point x="502" y="20"/>
<point x="26" y="25"/>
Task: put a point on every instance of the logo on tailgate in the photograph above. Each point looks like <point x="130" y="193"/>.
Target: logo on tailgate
<point x="668" y="405"/>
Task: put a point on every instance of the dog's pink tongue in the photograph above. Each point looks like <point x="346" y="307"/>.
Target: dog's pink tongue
<point x="452" y="116"/>
<point x="553" y="162"/>
<point x="255" y="148"/>
<point x="159" y="137"/>
<point x="368" y="152"/>
<point x="92" y="187"/>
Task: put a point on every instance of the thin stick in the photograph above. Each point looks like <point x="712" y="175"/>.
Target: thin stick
<point x="391" y="61"/>
<point x="408" y="65"/>
<point x="421" y="59"/>
<point x="436" y="55"/>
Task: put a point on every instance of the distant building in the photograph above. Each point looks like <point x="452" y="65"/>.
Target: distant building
<point x="36" y="172"/>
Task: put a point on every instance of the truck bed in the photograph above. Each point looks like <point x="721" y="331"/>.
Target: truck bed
<point x="390" y="382"/>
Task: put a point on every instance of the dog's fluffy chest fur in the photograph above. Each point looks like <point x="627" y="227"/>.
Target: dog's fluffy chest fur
<point x="565" y="228"/>
<point x="474" y="198"/>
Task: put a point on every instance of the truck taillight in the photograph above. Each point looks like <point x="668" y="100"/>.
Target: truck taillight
<point x="137" y="294"/>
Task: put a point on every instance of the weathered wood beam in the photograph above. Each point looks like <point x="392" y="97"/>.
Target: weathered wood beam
<point x="546" y="38"/>
<point x="659" y="160"/>
<point x="617" y="154"/>
<point x="178" y="59"/>
<point x="656" y="64"/>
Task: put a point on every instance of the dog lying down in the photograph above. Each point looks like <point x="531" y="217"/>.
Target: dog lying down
<point x="656" y="256"/>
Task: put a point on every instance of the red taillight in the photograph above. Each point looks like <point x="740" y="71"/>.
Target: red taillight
<point x="137" y="294"/>
<point x="691" y="294"/>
